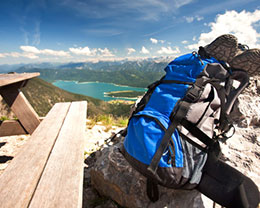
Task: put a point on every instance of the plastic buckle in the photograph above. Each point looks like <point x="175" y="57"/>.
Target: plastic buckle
<point x="193" y="94"/>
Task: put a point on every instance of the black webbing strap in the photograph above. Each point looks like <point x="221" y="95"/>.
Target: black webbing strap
<point x="153" y="118"/>
<point x="152" y="86"/>
<point x="224" y="123"/>
<point x="122" y="132"/>
<point x="195" y="131"/>
<point x="152" y="190"/>
<point x="179" y="115"/>
<point x="176" y="82"/>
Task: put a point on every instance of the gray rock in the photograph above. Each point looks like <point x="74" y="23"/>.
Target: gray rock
<point x="113" y="177"/>
<point x="246" y="111"/>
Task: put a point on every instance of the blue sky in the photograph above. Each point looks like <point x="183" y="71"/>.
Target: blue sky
<point x="91" y="30"/>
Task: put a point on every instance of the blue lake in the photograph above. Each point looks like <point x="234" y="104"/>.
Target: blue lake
<point x="95" y="89"/>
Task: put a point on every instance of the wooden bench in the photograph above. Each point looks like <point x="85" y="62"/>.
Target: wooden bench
<point x="10" y="85"/>
<point x="48" y="170"/>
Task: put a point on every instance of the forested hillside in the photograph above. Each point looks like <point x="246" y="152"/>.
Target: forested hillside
<point x="43" y="95"/>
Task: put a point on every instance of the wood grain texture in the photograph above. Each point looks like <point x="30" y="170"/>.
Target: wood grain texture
<point x="21" y="108"/>
<point x="20" y="178"/>
<point x="11" y="127"/>
<point x="7" y="79"/>
<point x="62" y="180"/>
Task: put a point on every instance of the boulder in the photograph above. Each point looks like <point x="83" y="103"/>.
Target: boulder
<point x="113" y="177"/>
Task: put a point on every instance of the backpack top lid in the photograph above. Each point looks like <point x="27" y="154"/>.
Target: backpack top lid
<point x="187" y="67"/>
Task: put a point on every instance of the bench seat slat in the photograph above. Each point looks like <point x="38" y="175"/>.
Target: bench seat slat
<point x="20" y="178"/>
<point x="6" y="79"/>
<point x="62" y="180"/>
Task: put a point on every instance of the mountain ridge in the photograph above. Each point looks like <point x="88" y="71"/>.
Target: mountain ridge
<point x="130" y="73"/>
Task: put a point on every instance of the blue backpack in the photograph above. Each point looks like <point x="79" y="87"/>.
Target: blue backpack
<point x="180" y="120"/>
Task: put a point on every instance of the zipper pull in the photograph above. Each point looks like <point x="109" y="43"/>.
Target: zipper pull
<point x="194" y="53"/>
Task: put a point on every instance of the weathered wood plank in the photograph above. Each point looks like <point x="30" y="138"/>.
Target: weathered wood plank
<point x="21" y="108"/>
<point x="20" y="178"/>
<point x="62" y="180"/>
<point x="11" y="127"/>
<point x="6" y="79"/>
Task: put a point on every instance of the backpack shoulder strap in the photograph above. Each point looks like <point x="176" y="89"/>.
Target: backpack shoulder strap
<point x="243" y="78"/>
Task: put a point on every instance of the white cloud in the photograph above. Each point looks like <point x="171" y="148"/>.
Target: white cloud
<point x="29" y="55"/>
<point x="199" y="18"/>
<point x="37" y="34"/>
<point x="54" y="53"/>
<point x="2" y="55"/>
<point x="15" y="54"/>
<point x="31" y="35"/>
<point x="144" y="50"/>
<point x="31" y="52"/>
<point x="184" y="42"/>
<point x="105" y="52"/>
<point x="130" y="50"/>
<point x="26" y="35"/>
<point x="83" y="51"/>
<point x="180" y="3"/>
<point x="153" y="40"/>
<point x="168" y="50"/>
<point x="30" y="49"/>
<point x="239" y="24"/>
<point x="191" y="19"/>
<point x="141" y="10"/>
<point x="19" y="55"/>
<point x="86" y="51"/>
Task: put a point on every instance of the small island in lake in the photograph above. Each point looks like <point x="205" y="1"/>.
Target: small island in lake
<point x="125" y="94"/>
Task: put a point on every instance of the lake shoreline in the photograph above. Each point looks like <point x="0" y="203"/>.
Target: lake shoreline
<point x="89" y="82"/>
<point x="99" y="90"/>
<point x="127" y="94"/>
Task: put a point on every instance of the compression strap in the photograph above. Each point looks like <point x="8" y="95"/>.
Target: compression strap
<point x="179" y="115"/>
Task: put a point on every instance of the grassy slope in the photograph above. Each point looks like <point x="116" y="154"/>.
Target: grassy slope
<point x="43" y="95"/>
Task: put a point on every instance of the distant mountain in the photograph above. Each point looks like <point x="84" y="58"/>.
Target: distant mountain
<point x="91" y="65"/>
<point x="100" y="65"/>
<point x="132" y="73"/>
<point x="43" y="95"/>
<point x="5" y="68"/>
<point x="26" y="67"/>
<point x="140" y="65"/>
